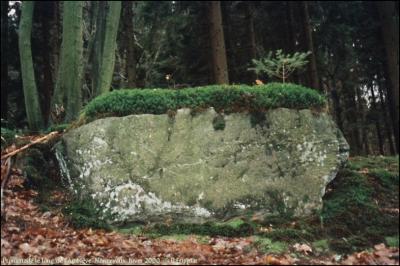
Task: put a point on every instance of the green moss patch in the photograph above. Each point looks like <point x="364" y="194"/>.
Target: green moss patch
<point x="226" y="98"/>
<point x="354" y="213"/>
<point x="83" y="213"/>
<point x="266" y="245"/>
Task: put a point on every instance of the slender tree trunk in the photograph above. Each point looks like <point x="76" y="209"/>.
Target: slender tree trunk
<point x="109" y="46"/>
<point x="336" y="104"/>
<point x="218" y="44"/>
<point x="98" y="44"/>
<point x="4" y="59"/>
<point x="376" y="120"/>
<point x="55" y="40"/>
<point x="312" y="66"/>
<point x="32" y="105"/>
<point x="352" y="127"/>
<point x="46" y="80"/>
<point x="363" y="122"/>
<point x="390" y="32"/>
<point x="250" y="29"/>
<point x="129" y="42"/>
<point x="292" y="35"/>
<point x="251" y="35"/>
<point x="68" y="90"/>
<point x="385" y="111"/>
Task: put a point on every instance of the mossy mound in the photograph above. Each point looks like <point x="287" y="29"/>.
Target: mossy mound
<point x="224" y="98"/>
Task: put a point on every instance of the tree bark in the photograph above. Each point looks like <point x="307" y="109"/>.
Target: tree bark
<point x="32" y="105"/>
<point x="4" y="59"/>
<point x="48" y="20"/>
<point x="252" y="35"/>
<point x="390" y="33"/>
<point x="376" y="120"/>
<point x="312" y="66"/>
<point x="109" y="46"/>
<point x="337" y="105"/>
<point x="129" y="42"/>
<point x="385" y="111"/>
<point x="220" y="67"/>
<point x="363" y="122"/>
<point x="292" y="35"/>
<point x="68" y="90"/>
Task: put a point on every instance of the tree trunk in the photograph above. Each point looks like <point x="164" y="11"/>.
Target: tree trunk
<point x="386" y="118"/>
<point x="250" y="29"/>
<point x="109" y="45"/>
<point x="4" y="61"/>
<point x="129" y="42"/>
<point x="252" y="35"/>
<point x="390" y="33"/>
<point x="336" y="104"/>
<point x="312" y="66"/>
<point x="220" y="66"/>
<point x="292" y="35"/>
<point x="68" y="90"/>
<point x="47" y="18"/>
<point x="32" y="105"/>
<point x="98" y="44"/>
<point x="363" y="122"/>
<point x="376" y="120"/>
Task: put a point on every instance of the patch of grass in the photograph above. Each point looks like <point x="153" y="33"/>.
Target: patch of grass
<point x="266" y="245"/>
<point x="392" y="241"/>
<point x="386" y="178"/>
<point x="133" y="230"/>
<point x="209" y="228"/>
<point x="321" y="245"/>
<point x="177" y="237"/>
<point x="289" y="235"/>
<point x="203" y="239"/>
<point x="229" y="98"/>
<point x="83" y="213"/>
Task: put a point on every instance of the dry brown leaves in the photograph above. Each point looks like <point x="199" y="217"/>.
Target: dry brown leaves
<point x="381" y="255"/>
<point x="47" y="238"/>
<point x="32" y="234"/>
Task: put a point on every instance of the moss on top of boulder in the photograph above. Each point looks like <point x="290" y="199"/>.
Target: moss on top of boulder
<point x="224" y="98"/>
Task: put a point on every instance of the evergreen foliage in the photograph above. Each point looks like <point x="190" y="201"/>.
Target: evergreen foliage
<point x="281" y="66"/>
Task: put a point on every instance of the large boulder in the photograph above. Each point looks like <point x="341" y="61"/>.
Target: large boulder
<point x="196" y="167"/>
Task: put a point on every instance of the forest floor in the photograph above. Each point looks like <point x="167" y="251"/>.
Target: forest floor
<point x="358" y="225"/>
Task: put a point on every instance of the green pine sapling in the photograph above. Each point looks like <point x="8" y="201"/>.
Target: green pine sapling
<point x="280" y="66"/>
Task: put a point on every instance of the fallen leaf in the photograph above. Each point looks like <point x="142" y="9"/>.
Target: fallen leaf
<point x="302" y="248"/>
<point x="27" y="249"/>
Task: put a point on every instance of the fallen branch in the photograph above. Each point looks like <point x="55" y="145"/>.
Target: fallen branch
<point x="5" y="177"/>
<point x="39" y="140"/>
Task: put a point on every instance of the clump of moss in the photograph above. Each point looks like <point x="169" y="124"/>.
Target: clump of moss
<point x="58" y="127"/>
<point x="7" y="136"/>
<point x="224" y="98"/>
<point x="266" y="245"/>
<point x="84" y="213"/>
<point x="229" y="229"/>
<point x="258" y="118"/>
<point x="219" y="122"/>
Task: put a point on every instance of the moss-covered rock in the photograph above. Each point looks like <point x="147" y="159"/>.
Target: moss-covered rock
<point x="157" y="167"/>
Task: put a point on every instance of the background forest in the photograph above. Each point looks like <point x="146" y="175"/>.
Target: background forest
<point x="58" y="55"/>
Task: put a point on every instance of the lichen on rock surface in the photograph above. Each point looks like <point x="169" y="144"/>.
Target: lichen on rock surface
<point x="150" y="167"/>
